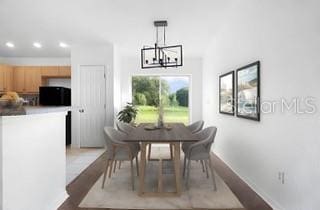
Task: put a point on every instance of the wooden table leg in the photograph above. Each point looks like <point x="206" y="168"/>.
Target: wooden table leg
<point x="176" y="157"/>
<point x="160" y="188"/>
<point x="110" y="170"/>
<point x="142" y="168"/>
<point x="149" y="151"/>
<point x="171" y="151"/>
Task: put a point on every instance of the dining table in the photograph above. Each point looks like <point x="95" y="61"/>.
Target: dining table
<point x="173" y="134"/>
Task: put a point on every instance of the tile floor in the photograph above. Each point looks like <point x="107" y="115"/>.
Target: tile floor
<point x="79" y="159"/>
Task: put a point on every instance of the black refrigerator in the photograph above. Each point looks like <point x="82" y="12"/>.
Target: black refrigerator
<point x="68" y="128"/>
<point x="54" y="96"/>
<point x="57" y="96"/>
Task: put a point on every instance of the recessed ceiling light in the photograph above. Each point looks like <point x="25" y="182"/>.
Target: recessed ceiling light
<point x="37" y="45"/>
<point x="10" y="44"/>
<point x="63" y="45"/>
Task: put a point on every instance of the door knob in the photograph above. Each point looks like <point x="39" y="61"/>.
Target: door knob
<point x="81" y="110"/>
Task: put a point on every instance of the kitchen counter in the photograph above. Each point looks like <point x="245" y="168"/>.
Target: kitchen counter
<point x="30" y="110"/>
<point x="45" y="109"/>
<point x="33" y="156"/>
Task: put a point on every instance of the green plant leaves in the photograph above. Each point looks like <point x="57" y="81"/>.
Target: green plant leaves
<point x="128" y="113"/>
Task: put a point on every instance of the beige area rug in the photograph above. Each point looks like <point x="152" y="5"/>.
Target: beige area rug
<point x="118" y="194"/>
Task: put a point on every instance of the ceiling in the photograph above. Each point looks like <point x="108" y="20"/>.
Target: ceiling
<point x="126" y="23"/>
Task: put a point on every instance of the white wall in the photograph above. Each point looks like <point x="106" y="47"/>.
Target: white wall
<point x="37" y="61"/>
<point x="117" y="80"/>
<point x="101" y="54"/>
<point x="285" y="37"/>
<point x="130" y="65"/>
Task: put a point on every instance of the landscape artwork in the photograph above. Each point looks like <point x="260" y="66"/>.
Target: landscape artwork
<point x="248" y="91"/>
<point x="226" y="93"/>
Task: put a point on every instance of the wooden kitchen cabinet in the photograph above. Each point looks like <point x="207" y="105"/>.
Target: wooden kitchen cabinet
<point x="50" y="71"/>
<point x="27" y="79"/>
<point x="65" y="71"/>
<point x="19" y="79"/>
<point x="8" y="75"/>
<point x="32" y="79"/>
<point x="2" y="78"/>
<point x="56" y="71"/>
<point x="6" y="78"/>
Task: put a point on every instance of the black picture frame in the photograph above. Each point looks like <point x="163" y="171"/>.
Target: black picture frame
<point x="221" y="77"/>
<point x="253" y="88"/>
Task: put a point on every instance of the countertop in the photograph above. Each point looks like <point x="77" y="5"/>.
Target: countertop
<point x="46" y="109"/>
<point x="30" y="110"/>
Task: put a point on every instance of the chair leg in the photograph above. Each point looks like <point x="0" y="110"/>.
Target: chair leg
<point x="105" y="174"/>
<point x="132" y="175"/>
<point x="212" y="174"/>
<point x="184" y="166"/>
<point x="111" y="166"/>
<point x="137" y="165"/>
<point x="188" y="174"/>
<point x="202" y="164"/>
<point x="149" y="151"/>
<point x="206" y="164"/>
<point x="115" y="166"/>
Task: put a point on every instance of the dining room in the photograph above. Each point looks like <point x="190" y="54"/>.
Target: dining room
<point x="158" y="162"/>
<point x="191" y="105"/>
<point x="159" y="151"/>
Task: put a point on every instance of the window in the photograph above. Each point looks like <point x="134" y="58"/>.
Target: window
<point x="174" y="97"/>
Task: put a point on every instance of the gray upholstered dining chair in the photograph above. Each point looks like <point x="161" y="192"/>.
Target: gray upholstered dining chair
<point x="196" y="126"/>
<point x="126" y="128"/>
<point x="200" y="151"/>
<point x="120" y="151"/>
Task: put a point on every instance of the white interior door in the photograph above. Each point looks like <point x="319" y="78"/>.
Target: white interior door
<point x="93" y="105"/>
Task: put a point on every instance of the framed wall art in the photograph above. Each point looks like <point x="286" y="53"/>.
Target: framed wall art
<point x="248" y="91"/>
<point x="226" y="93"/>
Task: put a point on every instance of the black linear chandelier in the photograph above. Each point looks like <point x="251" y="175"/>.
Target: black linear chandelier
<point x="161" y="55"/>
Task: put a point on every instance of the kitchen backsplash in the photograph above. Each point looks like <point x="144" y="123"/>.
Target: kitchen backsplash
<point x="33" y="99"/>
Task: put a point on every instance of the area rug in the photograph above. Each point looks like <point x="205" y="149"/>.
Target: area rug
<point x="118" y="194"/>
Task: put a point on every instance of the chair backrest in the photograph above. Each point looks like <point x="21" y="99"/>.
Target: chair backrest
<point x="196" y="126"/>
<point x="113" y="136"/>
<point x="207" y="137"/>
<point x="124" y="127"/>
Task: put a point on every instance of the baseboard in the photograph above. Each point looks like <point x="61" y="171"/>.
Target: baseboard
<point x="274" y="204"/>
<point x="54" y="205"/>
